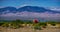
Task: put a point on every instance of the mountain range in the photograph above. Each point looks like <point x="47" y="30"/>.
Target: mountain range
<point x="27" y="8"/>
<point x="29" y="12"/>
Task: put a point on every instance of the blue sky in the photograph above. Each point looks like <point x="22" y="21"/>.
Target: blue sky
<point x="42" y="3"/>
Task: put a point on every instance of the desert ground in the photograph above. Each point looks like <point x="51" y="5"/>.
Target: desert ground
<point x="28" y="29"/>
<point x="19" y="26"/>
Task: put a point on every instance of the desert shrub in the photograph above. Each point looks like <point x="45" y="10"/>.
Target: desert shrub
<point x="53" y="24"/>
<point x="37" y="27"/>
<point x="5" y="25"/>
<point x="15" y="26"/>
<point x="42" y="24"/>
<point x="1" y="24"/>
<point x="28" y="22"/>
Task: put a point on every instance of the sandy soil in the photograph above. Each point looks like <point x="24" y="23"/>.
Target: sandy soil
<point x="27" y="29"/>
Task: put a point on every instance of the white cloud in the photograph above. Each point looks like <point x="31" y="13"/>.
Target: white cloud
<point x="58" y="9"/>
<point x="54" y="8"/>
<point x="22" y="5"/>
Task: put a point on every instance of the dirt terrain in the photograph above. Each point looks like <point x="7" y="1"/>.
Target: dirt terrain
<point x="27" y="29"/>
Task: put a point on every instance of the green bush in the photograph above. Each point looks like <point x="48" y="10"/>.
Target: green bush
<point x="37" y="27"/>
<point x="5" y="25"/>
<point x="52" y="23"/>
<point x="42" y="24"/>
<point x="1" y="24"/>
<point x="15" y="26"/>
